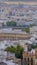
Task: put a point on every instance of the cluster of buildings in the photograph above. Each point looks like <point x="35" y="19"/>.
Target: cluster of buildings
<point x="10" y="37"/>
<point x="20" y="13"/>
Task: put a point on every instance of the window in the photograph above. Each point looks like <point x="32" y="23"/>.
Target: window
<point x="24" y="59"/>
<point x="28" y="59"/>
<point x="31" y="61"/>
<point x="28" y="64"/>
<point x="36" y="57"/>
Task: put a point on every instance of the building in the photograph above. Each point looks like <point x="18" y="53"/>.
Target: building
<point x="2" y="63"/>
<point x="9" y="34"/>
<point x="22" y="14"/>
<point x="33" y="30"/>
<point x="30" y="58"/>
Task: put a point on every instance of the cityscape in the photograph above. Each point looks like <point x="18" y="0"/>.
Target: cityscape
<point x="18" y="32"/>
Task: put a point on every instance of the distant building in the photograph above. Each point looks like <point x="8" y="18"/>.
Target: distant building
<point x="33" y="30"/>
<point x="13" y="34"/>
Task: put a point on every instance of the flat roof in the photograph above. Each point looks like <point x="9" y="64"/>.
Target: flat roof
<point x="9" y="30"/>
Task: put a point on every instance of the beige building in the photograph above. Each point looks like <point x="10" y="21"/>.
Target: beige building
<point x="12" y="36"/>
<point x="30" y="58"/>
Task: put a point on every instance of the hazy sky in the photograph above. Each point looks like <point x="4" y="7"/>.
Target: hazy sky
<point x="25" y="0"/>
<point x="20" y="0"/>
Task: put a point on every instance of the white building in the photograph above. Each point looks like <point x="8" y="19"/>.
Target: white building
<point x="33" y="30"/>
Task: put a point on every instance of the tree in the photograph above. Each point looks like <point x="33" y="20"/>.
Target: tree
<point x="11" y="23"/>
<point x="19" y="51"/>
<point x="33" y="46"/>
<point x="26" y="29"/>
<point x="10" y="49"/>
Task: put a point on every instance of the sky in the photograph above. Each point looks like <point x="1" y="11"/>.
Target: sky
<point x="20" y="0"/>
<point x="30" y="2"/>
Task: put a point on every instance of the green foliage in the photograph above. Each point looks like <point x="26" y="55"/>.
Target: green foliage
<point x="33" y="46"/>
<point x="26" y="29"/>
<point x="10" y="49"/>
<point x="11" y="23"/>
<point x="31" y="25"/>
<point x="18" y="50"/>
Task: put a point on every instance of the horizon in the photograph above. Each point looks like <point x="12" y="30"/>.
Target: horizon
<point x="20" y="2"/>
<point x="29" y="2"/>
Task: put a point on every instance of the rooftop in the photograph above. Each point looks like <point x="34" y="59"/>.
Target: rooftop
<point x="2" y="63"/>
<point x="9" y="30"/>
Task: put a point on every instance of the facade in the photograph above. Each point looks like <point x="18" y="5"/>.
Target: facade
<point x="12" y="36"/>
<point x="33" y="30"/>
<point x="30" y="58"/>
